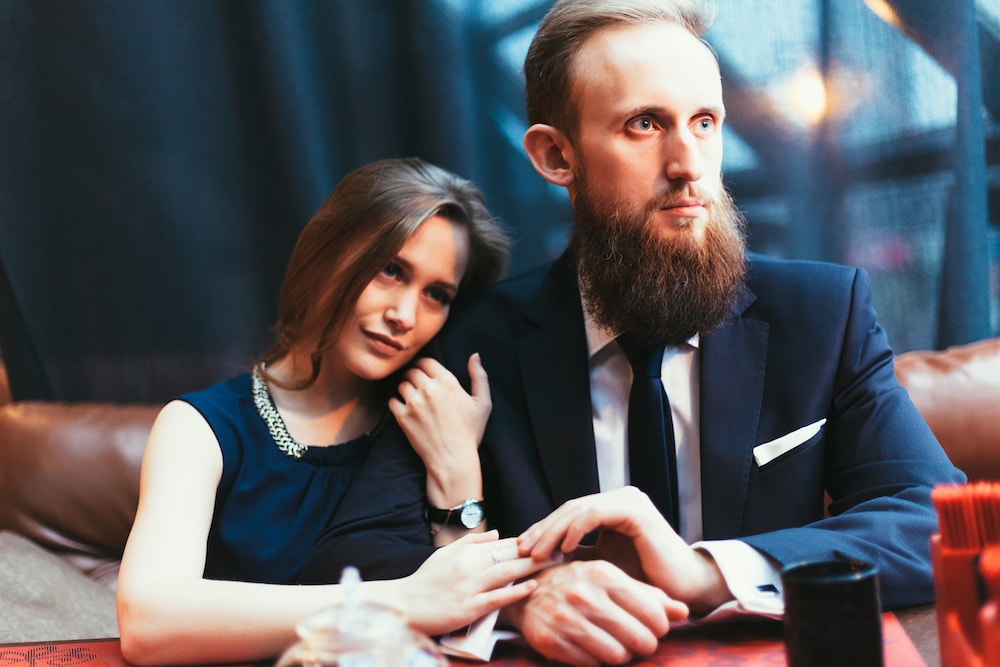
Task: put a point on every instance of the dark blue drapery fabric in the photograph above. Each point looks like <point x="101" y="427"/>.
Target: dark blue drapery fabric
<point x="158" y="159"/>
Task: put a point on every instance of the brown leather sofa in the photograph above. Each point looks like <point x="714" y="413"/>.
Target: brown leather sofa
<point x="69" y="486"/>
<point x="958" y="392"/>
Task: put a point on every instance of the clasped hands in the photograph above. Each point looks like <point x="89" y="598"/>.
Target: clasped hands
<point x="613" y="601"/>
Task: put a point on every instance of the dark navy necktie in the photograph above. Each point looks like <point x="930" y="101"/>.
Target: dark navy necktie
<point x="652" y="459"/>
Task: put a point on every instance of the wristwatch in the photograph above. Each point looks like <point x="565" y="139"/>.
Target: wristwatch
<point x="468" y="515"/>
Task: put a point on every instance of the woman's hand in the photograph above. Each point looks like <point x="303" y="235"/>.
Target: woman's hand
<point x="466" y="580"/>
<point x="445" y="424"/>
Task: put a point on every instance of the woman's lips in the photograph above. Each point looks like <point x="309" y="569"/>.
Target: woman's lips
<point x="384" y="343"/>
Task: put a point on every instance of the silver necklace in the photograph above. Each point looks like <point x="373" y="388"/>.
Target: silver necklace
<point x="275" y="424"/>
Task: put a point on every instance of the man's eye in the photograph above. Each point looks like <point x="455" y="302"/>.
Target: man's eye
<point x="705" y="124"/>
<point x="642" y="124"/>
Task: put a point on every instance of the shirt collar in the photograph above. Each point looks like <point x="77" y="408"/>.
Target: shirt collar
<point x="598" y="337"/>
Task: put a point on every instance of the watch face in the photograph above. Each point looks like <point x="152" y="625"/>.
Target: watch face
<point x="472" y="515"/>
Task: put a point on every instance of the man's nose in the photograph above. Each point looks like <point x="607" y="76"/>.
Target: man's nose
<point x="683" y="158"/>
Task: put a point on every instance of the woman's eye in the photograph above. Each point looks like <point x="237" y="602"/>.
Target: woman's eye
<point x="392" y="270"/>
<point x="441" y="296"/>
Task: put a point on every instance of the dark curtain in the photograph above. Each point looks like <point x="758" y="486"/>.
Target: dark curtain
<point x="158" y="159"/>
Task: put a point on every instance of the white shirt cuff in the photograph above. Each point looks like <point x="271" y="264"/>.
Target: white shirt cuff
<point x="753" y="579"/>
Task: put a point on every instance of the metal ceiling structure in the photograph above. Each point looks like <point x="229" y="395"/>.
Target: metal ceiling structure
<point x="796" y="181"/>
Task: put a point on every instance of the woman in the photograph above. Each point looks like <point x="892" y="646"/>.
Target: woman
<point x="238" y="479"/>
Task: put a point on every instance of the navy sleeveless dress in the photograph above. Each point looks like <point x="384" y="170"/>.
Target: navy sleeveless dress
<point x="269" y="507"/>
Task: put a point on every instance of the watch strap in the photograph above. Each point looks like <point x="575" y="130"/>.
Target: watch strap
<point x="451" y="516"/>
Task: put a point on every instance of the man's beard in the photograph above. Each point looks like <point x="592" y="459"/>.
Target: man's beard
<point x="659" y="289"/>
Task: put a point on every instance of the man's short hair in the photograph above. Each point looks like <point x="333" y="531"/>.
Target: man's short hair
<point x="548" y="65"/>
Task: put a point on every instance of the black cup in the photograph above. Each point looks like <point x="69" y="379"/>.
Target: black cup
<point x="832" y="614"/>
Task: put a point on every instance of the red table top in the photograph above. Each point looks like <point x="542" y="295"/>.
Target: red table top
<point x="689" y="646"/>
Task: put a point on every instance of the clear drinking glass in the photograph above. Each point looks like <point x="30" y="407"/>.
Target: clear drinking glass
<point x="359" y="634"/>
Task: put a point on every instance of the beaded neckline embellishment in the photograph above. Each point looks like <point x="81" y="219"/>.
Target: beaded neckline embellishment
<point x="275" y="424"/>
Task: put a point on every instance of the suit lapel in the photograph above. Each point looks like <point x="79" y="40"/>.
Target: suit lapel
<point x="556" y="384"/>
<point x="733" y="360"/>
<point x="556" y="380"/>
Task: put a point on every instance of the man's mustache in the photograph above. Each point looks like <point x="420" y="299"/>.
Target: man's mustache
<point x="682" y="193"/>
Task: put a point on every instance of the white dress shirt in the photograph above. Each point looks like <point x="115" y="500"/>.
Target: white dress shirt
<point x="753" y="580"/>
<point x="610" y="385"/>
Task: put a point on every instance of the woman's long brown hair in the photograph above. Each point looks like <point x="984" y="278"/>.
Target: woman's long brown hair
<point x="357" y="232"/>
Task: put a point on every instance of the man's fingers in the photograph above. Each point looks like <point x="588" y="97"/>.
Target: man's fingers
<point x="677" y="611"/>
<point x="654" y="608"/>
<point x="589" y="640"/>
<point x="610" y="645"/>
<point x="606" y="613"/>
<point x="562" y="650"/>
<point x="562" y="530"/>
<point x="593" y="647"/>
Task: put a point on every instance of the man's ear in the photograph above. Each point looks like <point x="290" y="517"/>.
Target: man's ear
<point x="551" y="154"/>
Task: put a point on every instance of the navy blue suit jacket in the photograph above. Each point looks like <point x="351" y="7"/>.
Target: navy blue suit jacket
<point x="801" y="344"/>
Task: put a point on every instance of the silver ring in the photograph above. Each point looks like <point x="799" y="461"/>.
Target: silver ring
<point x="497" y="556"/>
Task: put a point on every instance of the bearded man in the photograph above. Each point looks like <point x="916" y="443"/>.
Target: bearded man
<point x="779" y="384"/>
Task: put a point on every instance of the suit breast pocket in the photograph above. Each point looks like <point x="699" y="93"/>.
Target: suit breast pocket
<point x="789" y="445"/>
<point x="788" y="489"/>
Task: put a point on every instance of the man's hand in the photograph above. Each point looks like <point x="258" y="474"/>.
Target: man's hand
<point x="588" y="613"/>
<point x="636" y="537"/>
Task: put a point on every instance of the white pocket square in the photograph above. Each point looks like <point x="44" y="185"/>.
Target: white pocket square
<point x="764" y="454"/>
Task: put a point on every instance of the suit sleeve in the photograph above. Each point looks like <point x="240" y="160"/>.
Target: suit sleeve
<point x="379" y="527"/>
<point x="881" y="462"/>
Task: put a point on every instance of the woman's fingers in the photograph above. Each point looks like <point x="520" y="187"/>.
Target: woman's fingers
<point x="480" y="382"/>
<point x="495" y="561"/>
<point x="479" y="538"/>
<point x="497" y="598"/>
<point x="516" y="567"/>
